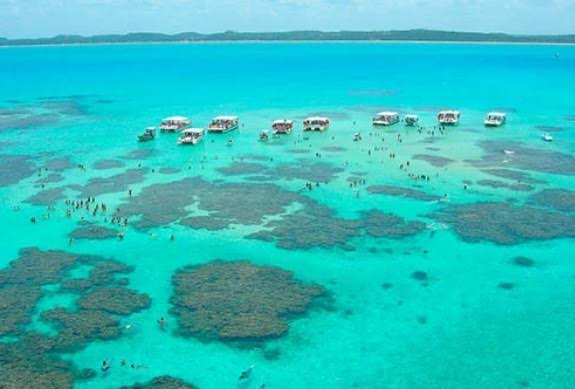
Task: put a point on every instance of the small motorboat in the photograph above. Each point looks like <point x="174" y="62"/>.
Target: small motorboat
<point x="495" y="119"/>
<point x="230" y="142"/>
<point x="264" y="136"/>
<point x="547" y="137"/>
<point x="357" y="137"/>
<point x="148" y="134"/>
<point x="411" y="120"/>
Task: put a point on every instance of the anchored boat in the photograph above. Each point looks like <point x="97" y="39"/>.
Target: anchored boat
<point x="148" y="134"/>
<point x="175" y="123"/>
<point x="386" y="119"/>
<point x="316" y="123"/>
<point x="495" y="119"/>
<point x="449" y="118"/>
<point x="224" y="124"/>
<point x="191" y="136"/>
<point x="282" y="127"/>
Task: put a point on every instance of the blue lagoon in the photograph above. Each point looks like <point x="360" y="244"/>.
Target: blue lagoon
<point x="412" y="257"/>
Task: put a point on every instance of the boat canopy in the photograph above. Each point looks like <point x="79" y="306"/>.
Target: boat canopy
<point x="316" y="119"/>
<point x="413" y="117"/>
<point x="282" y="121"/>
<point x="386" y="114"/>
<point x="176" y="119"/>
<point x="226" y="118"/>
<point x="193" y="131"/>
<point x="497" y="115"/>
<point x="449" y="113"/>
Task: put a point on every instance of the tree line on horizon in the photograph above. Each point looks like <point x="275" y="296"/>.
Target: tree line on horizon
<point x="407" y="35"/>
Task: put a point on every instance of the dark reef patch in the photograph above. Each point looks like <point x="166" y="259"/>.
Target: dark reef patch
<point x="50" y="179"/>
<point x="518" y="176"/>
<point x="117" y="183"/>
<point x="549" y="128"/>
<point x="242" y="169"/>
<point x="30" y="359"/>
<point x="114" y="300"/>
<point x="379" y="224"/>
<point x="434" y="160"/>
<point x="506" y="285"/>
<point x="89" y="231"/>
<point x="496" y="184"/>
<point x="231" y="203"/>
<point x="169" y="170"/>
<point x="299" y="151"/>
<point x="505" y="224"/>
<point x="139" y="154"/>
<point x="15" y="168"/>
<point x="238" y="301"/>
<point x="559" y="199"/>
<point x="105" y="164"/>
<point x="47" y="196"/>
<point x="59" y="164"/>
<point x="162" y="382"/>
<point x="523" y="262"/>
<point x="397" y="191"/>
<point x="524" y="157"/>
<point x="334" y="149"/>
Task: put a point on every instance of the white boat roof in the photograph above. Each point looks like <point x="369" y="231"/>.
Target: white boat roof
<point x="449" y="112"/>
<point x="193" y="131"/>
<point x="176" y="119"/>
<point x="282" y="121"/>
<point x="412" y="116"/>
<point x="150" y="128"/>
<point x="226" y="117"/>
<point x="388" y="113"/>
<point x="316" y="118"/>
<point x="497" y="114"/>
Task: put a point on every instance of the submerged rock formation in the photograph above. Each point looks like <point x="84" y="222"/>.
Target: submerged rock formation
<point x="238" y="301"/>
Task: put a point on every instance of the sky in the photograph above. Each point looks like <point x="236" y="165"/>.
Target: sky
<point x="46" y="18"/>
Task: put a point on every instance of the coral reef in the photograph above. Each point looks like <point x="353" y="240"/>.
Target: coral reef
<point x="238" y="301"/>
<point x="504" y="223"/>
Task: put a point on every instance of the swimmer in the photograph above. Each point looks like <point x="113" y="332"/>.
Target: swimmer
<point x="247" y="373"/>
<point x="105" y="366"/>
<point x="162" y="323"/>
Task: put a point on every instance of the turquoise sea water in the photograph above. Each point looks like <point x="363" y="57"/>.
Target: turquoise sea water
<point x="476" y="321"/>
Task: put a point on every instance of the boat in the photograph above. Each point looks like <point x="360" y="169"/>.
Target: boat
<point x="175" y="123"/>
<point x="148" y="134"/>
<point x="264" y="136"/>
<point x="449" y="117"/>
<point x="224" y="124"/>
<point x="386" y="119"/>
<point x="282" y="127"/>
<point x="547" y="137"/>
<point x="411" y="120"/>
<point x="495" y="119"/>
<point x="316" y="123"/>
<point x="191" y="136"/>
<point x="357" y="137"/>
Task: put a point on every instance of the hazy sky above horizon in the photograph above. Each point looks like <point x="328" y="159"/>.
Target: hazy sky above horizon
<point x="42" y="18"/>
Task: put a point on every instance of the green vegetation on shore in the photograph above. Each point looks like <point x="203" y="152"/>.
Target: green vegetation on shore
<point x="409" y="35"/>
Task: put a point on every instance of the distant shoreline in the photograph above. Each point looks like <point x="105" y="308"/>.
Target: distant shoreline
<point x="295" y="42"/>
<point x="347" y="37"/>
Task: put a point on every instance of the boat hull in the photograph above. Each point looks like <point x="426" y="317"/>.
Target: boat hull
<point x="222" y="130"/>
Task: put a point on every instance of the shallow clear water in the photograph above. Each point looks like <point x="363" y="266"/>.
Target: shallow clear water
<point x="460" y="330"/>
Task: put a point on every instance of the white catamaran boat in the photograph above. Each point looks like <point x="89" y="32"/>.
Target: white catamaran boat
<point x="316" y="124"/>
<point x="495" y="119"/>
<point x="192" y="136"/>
<point x="148" y="134"/>
<point x="386" y="119"/>
<point x="175" y="123"/>
<point x="449" y="118"/>
<point x="411" y="120"/>
<point x="282" y="127"/>
<point x="223" y="124"/>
